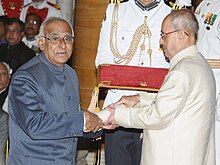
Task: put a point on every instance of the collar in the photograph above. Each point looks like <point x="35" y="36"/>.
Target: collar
<point x="30" y="39"/>
<point x="13" y="46"/>
<point x="190" y="51"/>
<point x="147" y="7"/>
<point x="56" y="68"/>
<point x="2" y="90"/>
<point x="39" y="5"/>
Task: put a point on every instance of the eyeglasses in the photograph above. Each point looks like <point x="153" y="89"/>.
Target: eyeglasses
<point x="164" y="35"/>
<point x="57" y="40"/>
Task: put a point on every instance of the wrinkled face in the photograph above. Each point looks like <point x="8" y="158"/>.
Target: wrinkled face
<point x="55" y="44"/>
<point x="13" y="34"/>
<point x="32" y="26"/>
<point x="168" y="40"/>
<point x="4" y="77"/>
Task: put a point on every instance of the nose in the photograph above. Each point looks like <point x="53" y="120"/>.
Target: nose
<point x="161" y="41"/>
<point x="62" y="43"/>
<point x="10" y="32"/>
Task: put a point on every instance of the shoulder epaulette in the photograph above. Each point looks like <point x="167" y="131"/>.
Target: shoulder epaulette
<point x="171" y="3"/>
<point x="53" y="5"/>
<point x="27" y="4"/>
<point x="117" y="1"/>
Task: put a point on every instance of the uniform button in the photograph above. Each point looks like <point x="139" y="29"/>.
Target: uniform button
<point x="64" y="77"/>
<point x="69" y="97"/>
<point x="123" y="38"/>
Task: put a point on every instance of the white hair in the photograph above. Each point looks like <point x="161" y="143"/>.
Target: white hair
<point x="53" y="19"/>
<point x="9" y="70"/>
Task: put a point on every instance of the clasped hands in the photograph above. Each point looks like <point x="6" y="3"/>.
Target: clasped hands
<point x="105" y="119"/>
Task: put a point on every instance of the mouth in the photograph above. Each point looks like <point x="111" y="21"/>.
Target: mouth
<point x="61" y="53"/>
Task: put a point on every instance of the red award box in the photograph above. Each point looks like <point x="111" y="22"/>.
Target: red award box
<point x="131" y="77"/>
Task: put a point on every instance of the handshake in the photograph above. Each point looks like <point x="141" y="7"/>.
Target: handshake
<point x="105" y="119"/>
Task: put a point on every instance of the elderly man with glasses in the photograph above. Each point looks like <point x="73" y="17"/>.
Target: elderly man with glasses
<point x="178" y="121"/>
<point x="45" y="118"/>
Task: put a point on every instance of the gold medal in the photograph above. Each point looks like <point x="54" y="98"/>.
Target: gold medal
<point x="12" y="6"/>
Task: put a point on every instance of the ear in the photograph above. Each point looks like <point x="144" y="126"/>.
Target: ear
<point x="180" y="34"/>
<point x="22" y="34"/>
<point x="40" y="42"/>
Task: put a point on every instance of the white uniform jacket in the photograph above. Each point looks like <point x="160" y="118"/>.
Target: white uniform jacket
<point x="52" y="11"/>
<point x="178" y="122"/>
<point x="208" y="15"/>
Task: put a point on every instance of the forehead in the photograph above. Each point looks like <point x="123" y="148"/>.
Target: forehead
<point x="166" y="24"/>
<point x="14" y="25"/>
<point x="32" y="17"/>
<point x="58" y="27"/>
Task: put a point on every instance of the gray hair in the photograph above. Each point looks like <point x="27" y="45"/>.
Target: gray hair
<point x="53" y="19"/>
<point x="9" y="70"/>
<point x="186" y="20"/>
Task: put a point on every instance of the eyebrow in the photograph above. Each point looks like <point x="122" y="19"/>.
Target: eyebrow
<point x="56" y="34"/>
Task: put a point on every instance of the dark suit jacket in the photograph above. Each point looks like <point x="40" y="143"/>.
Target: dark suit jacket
<point x="44" y="114"/>
<point x="16" y="55"/>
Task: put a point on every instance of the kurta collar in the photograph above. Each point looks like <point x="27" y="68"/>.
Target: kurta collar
<point x="50" y="65"/>
<point x="190" y="51"/>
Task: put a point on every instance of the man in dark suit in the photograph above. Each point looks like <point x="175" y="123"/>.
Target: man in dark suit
<point x="15" y="52"/>
<point x="44" y="103"/>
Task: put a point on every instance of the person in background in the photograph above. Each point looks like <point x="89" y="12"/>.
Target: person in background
<point x="3" y="21"/>
<point x="45" y="118"/>
<point x="43" y="8"/>
<point x="15" y="52"/>
<point x="5" y="75"/>
<point x="32" y="26"/>
<point x="129" y="36"/>
<point x="208" y="16"/>
<point x="178" y="121"/>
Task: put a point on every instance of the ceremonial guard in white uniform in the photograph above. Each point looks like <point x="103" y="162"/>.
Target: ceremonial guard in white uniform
<point x="208" y="15"/>
<point x="11" y="8"/>
<point x="130" y="35"/>
<point x="43" y="8"/>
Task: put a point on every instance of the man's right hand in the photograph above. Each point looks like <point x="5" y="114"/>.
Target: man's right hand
<point x="93" y="122"/>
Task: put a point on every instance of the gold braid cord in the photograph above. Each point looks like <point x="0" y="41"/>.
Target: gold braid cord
<point x="142" y="30"/>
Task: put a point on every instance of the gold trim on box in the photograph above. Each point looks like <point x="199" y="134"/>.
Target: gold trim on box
<point x="214" y="63"/>
<point x="103" y="85"/>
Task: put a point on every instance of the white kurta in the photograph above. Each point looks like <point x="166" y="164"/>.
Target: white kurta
<point x="208" y="44"/>
<point x="178" y="122"/>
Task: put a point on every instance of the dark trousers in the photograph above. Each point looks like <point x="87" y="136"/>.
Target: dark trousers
<point x="123" y="147"/>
